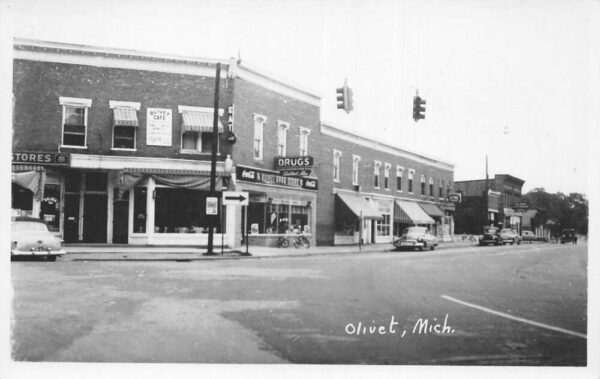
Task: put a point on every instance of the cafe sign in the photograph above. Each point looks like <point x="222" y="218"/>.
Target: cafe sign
<point x="253" y="175"/>
<point x="29" y="157"/>
<point x="294" y="166"/>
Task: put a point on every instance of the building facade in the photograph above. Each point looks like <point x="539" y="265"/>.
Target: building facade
<point x="115" y="146"/>
<point x="496" y="207"/>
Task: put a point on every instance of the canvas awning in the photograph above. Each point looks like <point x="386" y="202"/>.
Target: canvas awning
<point x="432" y="210"/>
<point x="410" y="213"/>
<point x="201" y="122"/>
<point x="359" y="206"/>
<point x="125" y="117"/>
<point x="32" y="180"/>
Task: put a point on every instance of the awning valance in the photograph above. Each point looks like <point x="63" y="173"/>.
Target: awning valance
<point x="199" y="122"/>
<point x="411" y="213"/>
<point x="432" y="210"/>
<point x="359" y="206"/>
<point x="125" y="117"/>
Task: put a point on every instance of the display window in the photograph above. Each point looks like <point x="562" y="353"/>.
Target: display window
<point x="50" y="207"/>
<point x="279" y="217"/>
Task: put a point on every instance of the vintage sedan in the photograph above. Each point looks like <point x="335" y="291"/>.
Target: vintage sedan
<point x="528" y="236"/>
<point x="416" y="237"/>
<point x="507" y="236"/>
<point x="490" y="236"/>
<point x="30" y="237"/>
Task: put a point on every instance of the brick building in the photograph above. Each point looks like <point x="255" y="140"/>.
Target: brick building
<point x="114" y="146"/>
<point x="503" y="191"/>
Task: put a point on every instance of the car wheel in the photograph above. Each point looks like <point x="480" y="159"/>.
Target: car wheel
<point x="432" y="247"/>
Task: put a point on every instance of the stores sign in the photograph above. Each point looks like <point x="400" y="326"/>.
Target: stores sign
<point x="253" y="175"/>
<point x="40" y="158"/>
<point x="158" y="127"/>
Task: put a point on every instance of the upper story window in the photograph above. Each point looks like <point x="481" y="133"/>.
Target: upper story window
<point x="430" y="186"/>
<point x="441" y="192"/>
<point x="125" y="124"/>
<point x="75" y="119"/>
<point x="197" y="129"/>
<point x="376" y="166"/>
<point x="399" y="173"/>
<point x="386" y="176"/>
<point x="304" y="132"/>
<point x="336" y="165"/>
<point x="423" y="185"/>
<point x="355" y="162"/>
<point x="282" y="129"/>
<point x="257" y="147"/>
<point x="411" y="176"/>
<point x="448" y="186"/>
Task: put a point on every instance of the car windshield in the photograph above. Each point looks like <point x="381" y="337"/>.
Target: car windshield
<point x="29" y="226"/>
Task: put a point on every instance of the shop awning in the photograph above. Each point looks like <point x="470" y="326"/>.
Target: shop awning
<point x="125" y="117"/>
<point x="199" y="122"/>
<point x="359" y="206"/>
<point x="432" y="210"/>
<point x="410" y="213"/>
<point x="32" y="180"/>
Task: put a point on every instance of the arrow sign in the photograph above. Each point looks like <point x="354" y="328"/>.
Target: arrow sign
<point x="235" y="198"/>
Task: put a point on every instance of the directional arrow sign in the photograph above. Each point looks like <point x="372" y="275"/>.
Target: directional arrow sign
<point x="235" y="198"/>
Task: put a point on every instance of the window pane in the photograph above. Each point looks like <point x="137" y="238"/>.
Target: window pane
<point x="180" y="210"/>
<point x="50" y="207"/>
<point x="189" y="141"/>
<point x="206" y="145"/>
<point x="74" y="116"/>
<point x="124" y="137"/>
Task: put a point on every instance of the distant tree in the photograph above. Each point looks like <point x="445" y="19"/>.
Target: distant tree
<point x="568" y="211"/>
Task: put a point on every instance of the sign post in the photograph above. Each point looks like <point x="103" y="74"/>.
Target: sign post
<point x="239" y="198"/>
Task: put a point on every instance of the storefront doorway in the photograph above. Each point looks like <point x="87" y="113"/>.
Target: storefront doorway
<point x="94" y="218"/>
<point x="121" y="219"/>
<point x="86" y="207"/>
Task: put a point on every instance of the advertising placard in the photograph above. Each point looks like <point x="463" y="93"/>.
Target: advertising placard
<point x="158" y="127"/>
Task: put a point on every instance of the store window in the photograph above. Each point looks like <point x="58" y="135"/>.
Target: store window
<point x="50" y="207"/>
<point x="430" y="186"/>
<point x="384" y="225"/>
<point x="376" y="167"/>
<point x="336" y="165"/>
<point x="75" y="118"/>
<point x="386" y="176"/>
<point x="279" y="217"/>
<point x="282" y="129"/>
<point x="139" y="210"/>
<point x="304" y="132"/>
<point x="411" y="175"/>
<point x="355" y="162"/>
<point x="399" y="173"/>
<point x="181" y="210"/>
<point x="22" y="199"/>
<point x="259" y="122"/>
<point x="125" y="124"/>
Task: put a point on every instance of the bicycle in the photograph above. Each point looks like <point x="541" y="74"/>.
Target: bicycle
<point x="283" y="242"/>
<point x="301" y="241"/>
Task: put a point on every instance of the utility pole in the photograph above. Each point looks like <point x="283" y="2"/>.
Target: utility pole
<point x="486" y="194"/>
<point x="213" y="159"/>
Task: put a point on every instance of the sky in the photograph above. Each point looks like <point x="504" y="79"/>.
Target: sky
<point x="507" y="79"/>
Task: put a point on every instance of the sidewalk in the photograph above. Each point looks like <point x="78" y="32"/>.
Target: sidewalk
<point x="111" y="252"/>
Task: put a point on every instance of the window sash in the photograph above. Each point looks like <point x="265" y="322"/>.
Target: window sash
<point x="189" y="141"/>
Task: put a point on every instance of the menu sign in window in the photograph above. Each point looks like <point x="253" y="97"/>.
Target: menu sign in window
<point x="158" y="126"/>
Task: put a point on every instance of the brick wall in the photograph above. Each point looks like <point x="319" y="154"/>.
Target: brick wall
<point x="38" y="114"/>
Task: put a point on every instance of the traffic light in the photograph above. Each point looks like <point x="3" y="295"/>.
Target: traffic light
<point x="344" y="98"/>
<point x="418" y="108"/>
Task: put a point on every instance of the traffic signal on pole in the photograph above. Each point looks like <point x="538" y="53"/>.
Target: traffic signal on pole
<point x="344" y="98"/>
<point x="418" y="108"/>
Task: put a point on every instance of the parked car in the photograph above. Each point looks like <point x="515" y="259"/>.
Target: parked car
<point x="490" y="236"/>
<point x="416" y="237"/>
<point x="30" y="237"/>
<point x="568" y="235"/>
<point x="528" y="235"/>
<point x="507" y="236"/>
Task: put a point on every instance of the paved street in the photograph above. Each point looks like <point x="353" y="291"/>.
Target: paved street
<point x="513" y="305"/>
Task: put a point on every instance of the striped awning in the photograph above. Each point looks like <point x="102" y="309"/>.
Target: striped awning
<point x="166" y="171"/>
<point x="432" y="210"/>
<point x="409" y="212"/>
<point x="359" y="206"/>
<point x="125" y="117"/>
<point x="199" y="122"/>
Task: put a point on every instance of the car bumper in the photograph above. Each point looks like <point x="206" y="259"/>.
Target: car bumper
<point x="41" y="253"/>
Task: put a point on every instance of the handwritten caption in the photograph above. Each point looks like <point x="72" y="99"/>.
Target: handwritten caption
<point x="421" y="326"/>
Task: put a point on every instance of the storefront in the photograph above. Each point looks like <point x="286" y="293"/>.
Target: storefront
<point x="278" y="205"/>
<point x="409" y="213"/>
<point x="437" y="215"/>
<point x="358" y="220"/>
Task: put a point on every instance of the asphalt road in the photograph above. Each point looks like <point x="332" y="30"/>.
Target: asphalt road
<point x="513" y="305"/>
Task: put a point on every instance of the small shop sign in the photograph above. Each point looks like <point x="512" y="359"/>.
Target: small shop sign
<point x="253" y="175"/>
<point x="520" y="206"/>
<point x="294" y="166"/>
<point x="212" y="206"/>
<point x="454" y="197"/>
<point x="158" y="127"/>
<point x="30" y="157"/>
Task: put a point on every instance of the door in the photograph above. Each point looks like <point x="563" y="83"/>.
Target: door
<point x="94" y="218"/>
<point x="71" y="221"/>
<point x="120" y="221"/>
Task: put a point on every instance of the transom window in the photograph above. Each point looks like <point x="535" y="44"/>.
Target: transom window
<point x="75" y="118"/>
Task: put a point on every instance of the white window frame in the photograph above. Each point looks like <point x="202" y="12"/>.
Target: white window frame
<point x="199" y="147"/>
<point x="282" y="128"/>
<point x="423" y="186"/>
<point x="441" y="189"/>
<point x="355" y="169"/>
<point x="399" y="174"/>
<point x="411" y="181"/>
<point x="337" y="155"/>
<point x="124" y="104"/>
<point x="77" y="103"/>
<point x="259" y="121"/>
<point x="386" y="176"/>
<point x="376" y="167"/>
<point x="303" y="148"/>
<point x="431" y="187"/>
